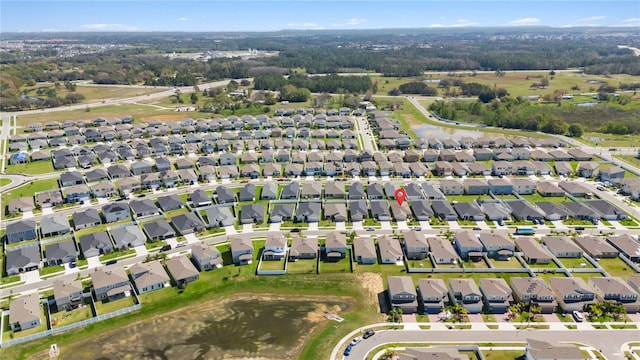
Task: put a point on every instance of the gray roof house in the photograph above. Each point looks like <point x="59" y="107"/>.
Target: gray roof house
<point x="60" y="253"/>
<point x="364" y="250"/>
<point x="468" y="246"/>
<point x="199" y="198"/>
<point x="522" y="210"/>
<point x="225" y="195"/>
<point x="390" y="250"/>
<point x="380" y="210"/>
<point x="534" y="290"/>
<point x="433" y="295"/>
<point x="115" y="211"/>
<point x="358" y="210"/>
<point x="54" y="225"/>
<point x="24" y="312"/>
<point x="562" y="247"/>
<point x="247" y="192"/>
<point x="443" y="210"/>
<point x="128" y="236"/>
<point x="187" y="223"/>
<point x="269" y="191"/>
<point x="596" y="247"/>
<point x="86" y="219"/>
<point x="616" y="290"/>
<point x="149" y="276"/>
<point x="220" y="216"/>
<point x="303" y="248"/>
<point x="290" y="191"/>
<point x="497" y="246"/>
<point x="206" y="257"/>
<point x="466" y="293"/>
<point x="542" y="350"/>
<point x="110" y="283"/>
<point x="628" y="246"/>
<point x="533" y="252"/>
<point x="308" y="212"/>
<point x="553" y="211"/>
<point x="22" y="260"/>
<point x="275" y="248"/>
<point x="170" y="202"/>
<point x="252" y="214"/>
<point x="442" y="252"/>
<point x="67" y="293"/>
<point x="606" y="210"/>
<point x="144" y="207"/>
<point x="496" y="295"/>
<point x="159" y="230"/>
<point x="182" y="270"/>
<point x="241" y="250"/>
<point x="421" y="210"/>
<point x="21" y="230"/>
<point x="95" y="244"/>
<point x="402" y="294"/>
<point x="573" y="294"/>
<point x="335" y="211"/>
<point x="495" y="210"/>
<point x="415" y="245"/>
<point x="469" y="211"/>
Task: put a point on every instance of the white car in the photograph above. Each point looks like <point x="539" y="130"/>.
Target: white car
<point x="577" y="315"/>
<point x="355" y="341"/>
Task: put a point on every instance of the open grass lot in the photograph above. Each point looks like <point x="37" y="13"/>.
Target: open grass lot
<point x="304" y="266"/>
<point x="610" y="140"/>
<point x="575" y="263"/>
<point x="93" y="92"/>
<point x="586" y="276"/>
<point x="550" y="265"/>
<point x="7" y="334"/>
<point x="64" y="317"/>
<point x="101" y="227"/>
<point x="171" y="213"/>
<point x="533" y="198"/>
<point x="467" y="198"/>
<point x="417" y="264"/>
<point x="630" y="158"/>
<point x="273" y="264"/>
<point x="342" y="266"/>
<point x="47" y="270"/>
<point x="512" y="263"/>
<point x="548" y="275"/>
<point x="616" y="267"/>
<point x="5" y="181"/>
<point x="503" y="354"/>
<point x="118" y="254"/>
<point x="31" y="168"/>
<point x="475" y="264"/>
<point x="382" y="269"/>
<point x="111" y="306"/>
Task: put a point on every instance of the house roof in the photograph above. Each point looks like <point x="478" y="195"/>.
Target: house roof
<point x="170" y="202"/>
<point x="527" y="285"/>
<point x="181" y="268"/>
<point x="441" y="248"/>
<point x="468" y="209"/>
<point x="25" y="309"/>
<point x="143" y="206"/>
<point x="494" y="287"/>
<point x="421" y="208"/>
<point x="464" y="286"/>
<point x="543" y="350"/>
<point x="107" y="277"/>
<point x="467" y="239"/>
<point x="568" y="286"/>
<point x="22" y="258"/>
<point x="552" y="208"/>
<point x="54" y="223"/>
<point x="132" y="234"/>
<point x="389" y="247"/>
<point x="522" y="209"/>
<point x="626" y="243"/>
<point x="115" y="208"/>
<point x="60" y="250"/>
<point x="401" y="284"/>
<point x="158" y="229"/>
<point x="336" y="239"/>
<point x="337" y="210"/>
<point x="301" y="245"/>
<point x="612" y="285"/>
<point x="21" y="226"/>
<point x="202" y="251"/>
<point x="595" y="246"/>
<point x="365" y="248"/>
<point x="220" y="214"/>
<point x="380" y="208"/>
<point x="560" y="244"/>
<point x="239" y="244"/>
<point x="253" y="211"/>
<point x="532" y="249"/>
<point x="188" y="221"/>
<point x="63" y="288"/>
<point x="88" y="216"/>
<point x="432" y="288"/>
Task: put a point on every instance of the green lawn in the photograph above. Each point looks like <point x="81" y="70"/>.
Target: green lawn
<point x="155" y="244"/>
<point x="475" y="264"/>
<point x="273" y="264"/>
<point x="32" y="168"/>
<point x="417" y="264"/>
<point x="548" y="275"/>
<point x="550" y="265"/>
<point x="616" y="267"/>
<point x="118" y="254"/>
<point x="512" y="263"/>
<point x="305" y="266"/>
<point x="47" y="270"/>
<point x="171" y="213"/>
<point x="571" y="221"/>
<point x="503" y="354"/>
<point x="533" y="198"/>
<point x="610" y="140"/>
<point x="628" y="222"/>
<point x="99" y="228"/>
<point x="467" y="198"/>
<point x="7" y="334"/>
<point x="575" y="263"/>
<point x="474" y="276"/>
<point x="64" y="317"/>
<point x="111" y="306"/>
<point x="341" y="266"/>
<point x="5" y="181"/>
<point x="586" y="276"/>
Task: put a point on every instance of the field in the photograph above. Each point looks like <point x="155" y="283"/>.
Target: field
<point x="93" y="92"/>
<point x="616" y="267"/>
<point x="28" y="190"/>
<point x="31" y="168"/>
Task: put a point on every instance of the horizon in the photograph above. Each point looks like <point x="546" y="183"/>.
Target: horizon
<point x="278" y="16"/>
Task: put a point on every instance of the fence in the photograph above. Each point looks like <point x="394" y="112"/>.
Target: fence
<point x="56" y="239"/>
<point x="70" y="326"/>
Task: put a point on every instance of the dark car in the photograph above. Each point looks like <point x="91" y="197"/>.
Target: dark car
<point x="368" y="334"/>
<point x="347" y="350"/>
<point x="111" y="262"/>
<point x="295" y="230"/>
<point x="165" y="248"/>
<point x="579" y="228"/>
<point x="72" y="264"/>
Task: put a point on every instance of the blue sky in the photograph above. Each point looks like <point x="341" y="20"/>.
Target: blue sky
<point x="239" y="15"/>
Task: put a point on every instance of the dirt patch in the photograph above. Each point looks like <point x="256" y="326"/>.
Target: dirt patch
<point x="372" y="283"/>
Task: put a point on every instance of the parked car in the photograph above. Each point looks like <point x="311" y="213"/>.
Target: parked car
<point x="111" y="262"/>
<point x="356" y="340"/>
<point x="347" y="351"/>
<point x="579" y="228"/>
<point x="476" y="228"/>
<point x="165" y="248"/>
<point x="368" y="334"/>
<point x="417" y="228"/>
<point x="181" y="245"/>
<point x="601" y="188"/>
<point x="370" y="229"/>
<point x="577" y="316"/>
<point x="72" y="264"/>
<point x="295" y="230"/>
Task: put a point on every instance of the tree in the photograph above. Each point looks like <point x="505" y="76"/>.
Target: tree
<point x="544" y="82"/>
<point x="395" y="315"/>
<point x="458" y="311"/>
<point x="575" y="130"/>
<point x="194" y="98"/>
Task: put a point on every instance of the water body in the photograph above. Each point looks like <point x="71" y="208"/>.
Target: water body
<point x="253" y="327"/>
<point x="432" y="131"/>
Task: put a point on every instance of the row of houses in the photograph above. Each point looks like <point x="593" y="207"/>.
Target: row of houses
<point x="495" y="295"/>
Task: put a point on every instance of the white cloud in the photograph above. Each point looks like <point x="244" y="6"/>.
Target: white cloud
<point x="351" y="22"/>
<point x="458" y="23"/>
<point x="306" y="25"/>
<point x="632" y="20"/>
<point x="182" y="19"/>
<point x="591" y="19"/>
<point x="524" y="21"/>
<point x="109" y="27"/>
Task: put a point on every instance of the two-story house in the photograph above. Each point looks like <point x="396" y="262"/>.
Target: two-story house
<point x="402" y="294"/>
<point x="466" y="293"/>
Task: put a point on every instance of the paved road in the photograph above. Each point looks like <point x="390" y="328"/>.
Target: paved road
<point x="609" y="342"/>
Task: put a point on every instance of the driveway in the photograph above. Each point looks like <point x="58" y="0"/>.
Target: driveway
<point x="247" y="228"/>
<point x="141" y="250"/>
<point x="173" y="242"/>
<point x="313" y="226"/>
<point x="274" y="226"/>
<point x="47" y="211"/>
<point x="230" y="230"/>
<point x="402" y="225"/>
<point x="30" y="276"/>
<point x="385" y="225"/>
<point x="357" y="225"/>
<point x="93" y="262"/>
<point x="70" y="270"/>
<point x="27" y="214"/>
<point x="191" y="238"/>
<point x="341" y="226"/>
<point x="453" y="225"/>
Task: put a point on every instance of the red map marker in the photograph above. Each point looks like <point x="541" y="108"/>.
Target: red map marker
<point x="400" y="196"/>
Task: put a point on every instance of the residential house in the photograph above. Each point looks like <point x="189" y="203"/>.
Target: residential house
<point x="596" y="247"/>
<point x="281" y="212"/>
<point x="496" y="295"/>
<point x="466" y="293"/>
<point x="21" y="230"/>
<point x="22" y="204"/>
<point x="468" y="246"/>
<point x="375" y="191"/>
<point x="552" y="211"/>
<point x="335" y="246"/>
<point x="110" y="283"/>
<point x="170" y="202"/>
<point x="114" y="212"/>
<point x="474" y="186"/>
<point x="534" y="291"/>
<point x="187" y="223"/>
<point x="501" y="168"/>
<point x="252" y="214"/>
<point x="497" y="246"/>
<point x="522" y="210"/>
<point x="443" y="210"/>
<point x="562" y="247"/>
<point x="53" y="225"/>
<point x="128" y="236"/>
<point x="86" y="219"/>
<point x="415" y="245"/>
<point x="303" y="248"/>
<point x="48" y="199"/>
<point x="60" y="253"/>
<point x="495" y="210"/>
<point x="149" y="276"/>
<point x="547" y="189"/>
<point x="533" y="252"/>
<point x="587" y="169"/>
<point x="24" y="312"/>
<point x="308" y="212"/>
<point x="390" y="250"/>
<point x="22" y="259"/>
<point x="627" y="245"/>
<point x="572" y="294"/>
<point x="67" y="293"/>
<point x="76" y="193"/>
<point x="500" y="186"/>
<point x="159" y="230"/>
<point x="443" y="168"/>
<point x="71" y="178"/>
<point x="469" y="211"/>
<point x="182" y="270"/>
<point x="200" y="198"/>
<point x="290" y="191"/>
<point x="616" y="290"/>
<point x="335" y="211"/>
<point x="606" y="210"/>
<point x="451" y="187"/>
<point x="104" y="189"/>
<point x="402" y="294"/>
<point x="433" y="295"/>
<point x="241" y="250"/>
<point x="220" y="216"/>
<point x="206" y="257"/>
<point x="365" y="250"/>
<point x="611" y="173"/>
<point x="421" y="210"/>
<point x="574" y="188"/>
<point x="581" y="211"/>
<point x="431" y="192"/>
<point x="275" y="247"/>
<point x="96" y="244"/>
<point x="523" y="186"/>
<point x="358" y="210"/>
<point x="269" y="191"/>
<point x="542" y="350"/>
<point x="145" y="207"/>
<point x="442" y="252"/>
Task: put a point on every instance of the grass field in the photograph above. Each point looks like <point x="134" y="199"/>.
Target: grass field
<point x="114" y="305"/>
<point x="302" y="266"/>
<point x="512" y="263"/>
<point x="616" y="267"/>
<point x="5" y="181"/>
<point x="629" y="159"/>
<point x="575" y="263"/>
<point x="93" y="93"/>
<point x="64" y="317"/>
<point x="610" y="140"/>
<point x="29" y="189"/>
<point x="32" y="168"/>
